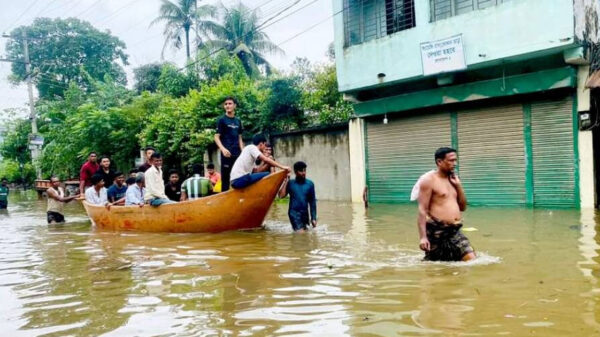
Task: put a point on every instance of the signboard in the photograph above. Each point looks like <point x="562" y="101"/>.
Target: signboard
<point x="443" y="56"/>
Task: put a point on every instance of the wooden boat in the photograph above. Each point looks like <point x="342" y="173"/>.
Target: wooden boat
<point x="235" y="209"/>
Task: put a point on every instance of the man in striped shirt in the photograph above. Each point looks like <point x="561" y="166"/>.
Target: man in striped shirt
<point x="197" y="186"/>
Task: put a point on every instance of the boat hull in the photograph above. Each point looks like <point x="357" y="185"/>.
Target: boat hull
<point x="232" y="210"/>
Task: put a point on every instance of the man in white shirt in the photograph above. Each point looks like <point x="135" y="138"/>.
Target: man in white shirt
<point x="241" y="173"/>
<point x="96" y="194"/>
<point x="155" y="185"/>
<point x="135" y="193"/>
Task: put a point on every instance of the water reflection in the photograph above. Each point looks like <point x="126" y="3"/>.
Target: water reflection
<point x="359" y="273"/>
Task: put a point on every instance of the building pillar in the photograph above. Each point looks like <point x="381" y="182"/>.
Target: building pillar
<point x="356" y="139"/>
<point x="587" y="195"/>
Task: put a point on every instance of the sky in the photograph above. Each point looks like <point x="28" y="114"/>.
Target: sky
<point x="130" y="20"/>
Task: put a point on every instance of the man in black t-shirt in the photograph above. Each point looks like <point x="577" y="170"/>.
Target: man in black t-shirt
<point x="228" y="139"/>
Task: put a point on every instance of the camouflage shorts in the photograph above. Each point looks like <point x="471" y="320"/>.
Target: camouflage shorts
<point x="447" y="242"/>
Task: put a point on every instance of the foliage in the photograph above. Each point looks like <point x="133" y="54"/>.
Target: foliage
<point x="239" y="33"/>
<point x="65" y="50"/>
<point x="282" y="109"/>
<point x="11" y="170"/>
<point x="174" y="82"/>
<point x="180" y="16"/>
<point x="16" y="142"/>
<point x="219" y="66"/>
<point x="182" y="128"/>
<point x="146" y="77"/>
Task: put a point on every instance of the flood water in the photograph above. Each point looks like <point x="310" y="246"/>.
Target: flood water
<point x="358" y="274"/>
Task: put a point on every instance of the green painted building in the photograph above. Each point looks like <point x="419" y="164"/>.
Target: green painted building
<point x="502" y="81"/>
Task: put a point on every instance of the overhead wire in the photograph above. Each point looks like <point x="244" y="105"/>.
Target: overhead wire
<point x="20" y="16"/>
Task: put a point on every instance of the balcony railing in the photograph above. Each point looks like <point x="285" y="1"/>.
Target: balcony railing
<point x="365" y="20"/>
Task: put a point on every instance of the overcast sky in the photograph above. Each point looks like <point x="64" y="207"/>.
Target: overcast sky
<point x="129" y="20"/>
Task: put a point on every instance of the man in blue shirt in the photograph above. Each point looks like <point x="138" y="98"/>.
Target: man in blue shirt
<point x="302" y="196"/>
<point x="116" y="193"/>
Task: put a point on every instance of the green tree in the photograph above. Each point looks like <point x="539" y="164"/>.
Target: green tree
<point x="180" y="16"/>
<point x="282" y="108"/>
<point x="63" y="51"/>
<point x="239" y="33"/>
<point x="174" y="82"/>
<point x="16" y="162"/>
<point x="322" y="99"/>
<point x="146" y="77"/>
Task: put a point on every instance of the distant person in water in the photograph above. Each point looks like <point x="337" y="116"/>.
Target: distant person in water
<point x="441" y="200"/>
<point x="241" y="174"/>
<point x="302" y="197"/>
<point x="155" y="185"/>
<point x="4" y="190"/>
<point x="56" y="201"/>
<point x="88" y="169"/>
<point x="148" y="151"/>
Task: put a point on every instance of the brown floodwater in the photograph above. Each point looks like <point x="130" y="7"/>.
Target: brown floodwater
<point x="358" y="274"/>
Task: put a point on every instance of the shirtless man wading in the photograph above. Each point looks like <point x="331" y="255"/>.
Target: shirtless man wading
<point x="441" y="201"/>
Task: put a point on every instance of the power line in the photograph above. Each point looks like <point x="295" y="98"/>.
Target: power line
<point x="22" y="14"/>
<point x="88" y="9"/>
<point x="116" y="12"/>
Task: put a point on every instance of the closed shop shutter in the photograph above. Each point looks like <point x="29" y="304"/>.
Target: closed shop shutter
<point x="553" y="153"/>
<point x="491" y="155"/>
<point x="399" y="152"/>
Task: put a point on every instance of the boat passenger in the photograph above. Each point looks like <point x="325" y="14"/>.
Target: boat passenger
<point x="96" y="194"/>
<point x="213" y="176"/>
<point x="148" y="151"/>
<point x="4" y="190"/>
<point x="196" y="186"/>
<point x="302" y="197"/>
<point x="173" y="187"/>
<point x="155" y="185"/>
<point x="133" y="173"/>
<point x="241" y="174"/>
<point x="88" y="169"/>
<point x="56" y="201"/>
<point x="441" y="200"/>
<point x="116" y="193"/>
<point x="136" y="191"/>
<point x="106" y="172"/>
<point x="229" y="140"/>
<point x="262" y="166"/>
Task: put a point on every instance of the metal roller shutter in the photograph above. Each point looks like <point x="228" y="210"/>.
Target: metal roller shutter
<point x="401" y="151"/>
<point x="553" y="153"/>
<point x="491" y="155"/>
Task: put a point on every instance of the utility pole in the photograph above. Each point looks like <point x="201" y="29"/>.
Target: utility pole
<point x="35" y="140"/>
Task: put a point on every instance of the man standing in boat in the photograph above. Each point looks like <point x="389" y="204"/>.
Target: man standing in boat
<point x="229" y="140"/>
<point x="441" y="200"/>
<point x="148" y="151"/>
<point x="241" y="174"/>
<point x="56" y="201"/>
<point x="88" y="169"/>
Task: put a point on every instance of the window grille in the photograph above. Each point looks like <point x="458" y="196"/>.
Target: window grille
<point x="443" y="9"/>
<point x="365" y="20"/>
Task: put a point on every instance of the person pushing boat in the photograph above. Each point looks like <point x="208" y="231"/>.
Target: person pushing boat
<point x="441" y="200"/>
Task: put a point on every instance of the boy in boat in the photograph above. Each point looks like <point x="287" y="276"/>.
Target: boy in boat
<point x="56" y="201"/>
<point x="229" y="140"/>
<point x="148" y="151"/>
<point x="155" y="185"/>
<point x="196" y="186"/>
<point x="302" y="196"/>
<point x="213" y="176"/>
<point x="261" y="166"/>
<point x="441" y="200"/>
<point x="135" y="192"/>
<point x="106" y="172"/>
<point x="241" y="174"/>
<point x="96" y="194"/>
<point x="116" y="193"/>
<point x="173" y="187"/>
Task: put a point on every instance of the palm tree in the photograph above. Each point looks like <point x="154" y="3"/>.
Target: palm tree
<point x="179" y="17"/>
<point x="239" y="34"/>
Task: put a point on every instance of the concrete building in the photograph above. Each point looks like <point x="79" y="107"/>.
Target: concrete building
<point x="502" y="81"/>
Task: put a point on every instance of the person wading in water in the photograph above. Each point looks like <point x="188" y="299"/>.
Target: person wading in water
<point x="441" y="200"/>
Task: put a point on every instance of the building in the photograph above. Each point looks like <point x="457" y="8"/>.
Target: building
<point x="502" y="81"/>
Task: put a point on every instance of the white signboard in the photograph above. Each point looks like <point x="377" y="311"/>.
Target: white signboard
<point x="443" y="55"/>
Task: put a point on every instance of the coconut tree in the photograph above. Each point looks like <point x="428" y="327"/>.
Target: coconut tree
<point x="180" y="16"/>
<point x="239" y="33"/>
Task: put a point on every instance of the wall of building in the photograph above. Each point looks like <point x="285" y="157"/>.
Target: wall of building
<point x="587" y="182"/>
<point x="586" y="19"/>
<point x="490" y="35"/>
<point x="326" y="152"/>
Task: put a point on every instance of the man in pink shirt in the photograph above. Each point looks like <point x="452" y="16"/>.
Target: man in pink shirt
<point x="88" y="169"/>
<point x="213" y="175"/>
